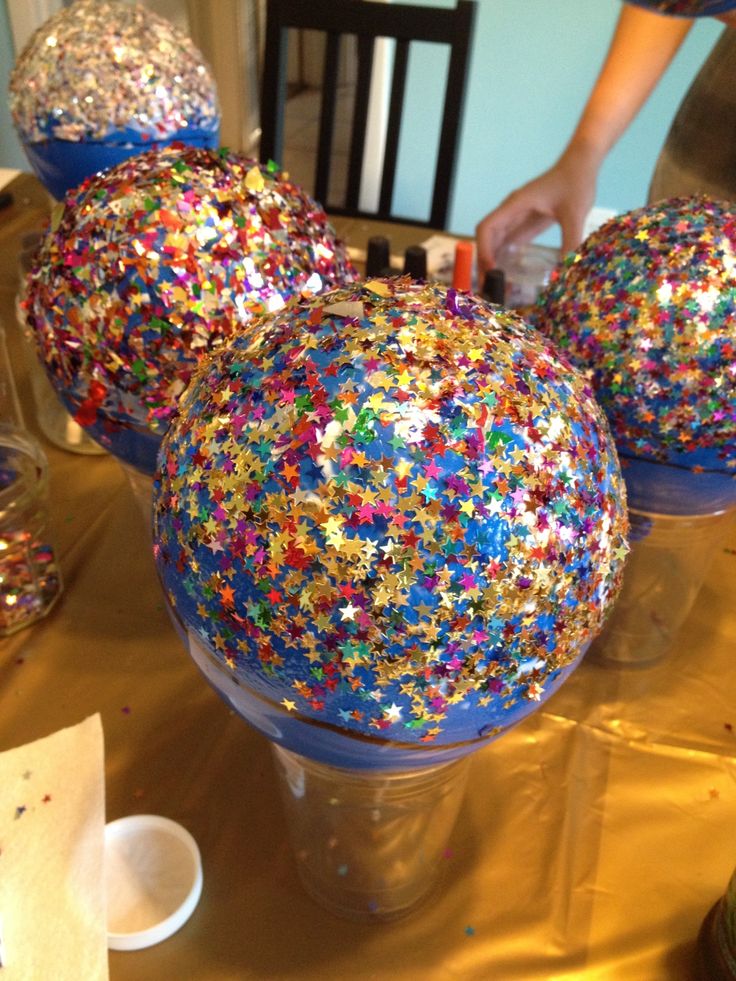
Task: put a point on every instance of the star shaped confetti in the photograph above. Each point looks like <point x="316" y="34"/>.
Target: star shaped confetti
<point x="647" y="307"/>
<point x="155" y="263"/>
<point x="417" y="543"/>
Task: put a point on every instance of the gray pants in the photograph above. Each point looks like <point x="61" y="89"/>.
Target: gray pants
<point x="699" y="154"/>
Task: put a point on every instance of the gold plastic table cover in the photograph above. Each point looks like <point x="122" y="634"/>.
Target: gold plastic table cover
<point x="593" y="839"/>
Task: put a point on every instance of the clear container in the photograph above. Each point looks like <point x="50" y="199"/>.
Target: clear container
<point x="527" y="270"/>
<point x="30" y="580"/>
<point x="141" y="484"/>
<point x="54" y="421"/>
<point x="669" y="559"/>
<point x="716" y="945"/>
<point x="369" y="844"/>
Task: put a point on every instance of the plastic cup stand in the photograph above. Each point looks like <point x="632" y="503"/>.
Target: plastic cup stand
<point x="30" y="580"/>
<point x="716" y="945"/>
<point x="141" y="484"/>
<point x="368" y="843"/>
<point x="669" y="559"/>
<point x="54" y="421"/>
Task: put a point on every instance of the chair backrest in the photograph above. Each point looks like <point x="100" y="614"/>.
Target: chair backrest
<point x="367" y="20"/>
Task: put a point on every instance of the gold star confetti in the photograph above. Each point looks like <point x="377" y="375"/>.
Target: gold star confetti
<point x="438" y="575"/>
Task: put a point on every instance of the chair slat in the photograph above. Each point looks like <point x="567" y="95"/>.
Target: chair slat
<point x="448" y="143"/>
<point x="368" y="20"/>
<point x="327" y="117"/>
<point x="366" y="47"/>
<point x="393" y="127"/>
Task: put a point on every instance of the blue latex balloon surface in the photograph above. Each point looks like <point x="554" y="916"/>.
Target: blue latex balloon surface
<point x="102" y="80"/>
<point x="389" y="520"/>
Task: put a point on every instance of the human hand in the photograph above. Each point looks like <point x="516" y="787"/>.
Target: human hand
<point x="562" y="194"/>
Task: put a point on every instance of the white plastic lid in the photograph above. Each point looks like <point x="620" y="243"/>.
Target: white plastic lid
<point x="153" y="872"/>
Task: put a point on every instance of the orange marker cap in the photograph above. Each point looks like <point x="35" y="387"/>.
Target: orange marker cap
<point x="462" y="274"/>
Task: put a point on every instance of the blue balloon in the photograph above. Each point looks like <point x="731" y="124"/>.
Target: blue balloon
<point x="61" y="165"/>
<point x="646" y="308"/>
<point x="388" y="522"/>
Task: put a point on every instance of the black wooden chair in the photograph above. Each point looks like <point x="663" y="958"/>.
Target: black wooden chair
<point x="367" y="20"/>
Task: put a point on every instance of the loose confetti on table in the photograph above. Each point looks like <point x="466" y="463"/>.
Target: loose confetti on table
<point x="393" y="510"/>
<point x="156" y="262"/>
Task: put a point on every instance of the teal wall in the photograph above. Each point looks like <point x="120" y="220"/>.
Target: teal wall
<point x="533" y="64"/>
<point x="11" y="154"/>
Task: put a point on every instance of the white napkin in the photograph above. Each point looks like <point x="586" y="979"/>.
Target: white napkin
<point x="6" y="176"/>
<point x="52" y="886"/>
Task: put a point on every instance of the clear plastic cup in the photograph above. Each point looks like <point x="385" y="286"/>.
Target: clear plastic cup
<point x="54" y="421"/>
<point x="30" y="580"/>
<point x="368" y="843"/>
<point x="141" y="484"/>
<point x="669" y="559"/>
<point x="716" y="945"/>
<point x="527" y="270"/>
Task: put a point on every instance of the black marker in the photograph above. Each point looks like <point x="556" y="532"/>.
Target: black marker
<point x="415" y="262"/>
<point x="377" y="256"/>
<point x="494" y="286"/>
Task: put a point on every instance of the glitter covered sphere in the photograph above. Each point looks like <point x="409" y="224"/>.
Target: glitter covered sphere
<point x="647" y="307"/>
<point x="390" y="520"/>
<point x="102" y="80"/>
<point x="155" y="262"/>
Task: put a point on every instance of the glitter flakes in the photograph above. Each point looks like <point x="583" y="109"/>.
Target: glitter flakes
<point x="391" y="510"/>
<point x="154" y="263"/>
<point x="647" y="306"/>
<point x="107" y="70"/>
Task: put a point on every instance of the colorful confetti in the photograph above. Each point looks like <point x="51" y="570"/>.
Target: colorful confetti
<point x="647" y="308"/>
<point x="30" y="579"/>
<point x="105" y="70"/>
<point x="393" y="511"/>
<point x="157" y="261"/>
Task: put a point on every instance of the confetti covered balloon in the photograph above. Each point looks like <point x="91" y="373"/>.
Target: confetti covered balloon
<point x="155" y="262"/>
<point x="102" y="80"/>
<point x="390" y="520"/>
<point x="647" y="307"/>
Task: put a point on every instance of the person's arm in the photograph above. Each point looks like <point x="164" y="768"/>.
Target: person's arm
<point x="642" y="47"/>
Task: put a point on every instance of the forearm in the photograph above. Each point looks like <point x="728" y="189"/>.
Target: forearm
<point x="642" y="47"/>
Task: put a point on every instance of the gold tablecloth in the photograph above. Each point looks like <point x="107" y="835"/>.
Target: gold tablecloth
<point x="592" y="842"/>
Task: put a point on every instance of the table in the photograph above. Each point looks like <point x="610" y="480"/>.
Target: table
<point x="593" y="840"/>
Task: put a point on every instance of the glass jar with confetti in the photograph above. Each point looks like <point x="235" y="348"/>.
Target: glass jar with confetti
<point x="30" y="581"/>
